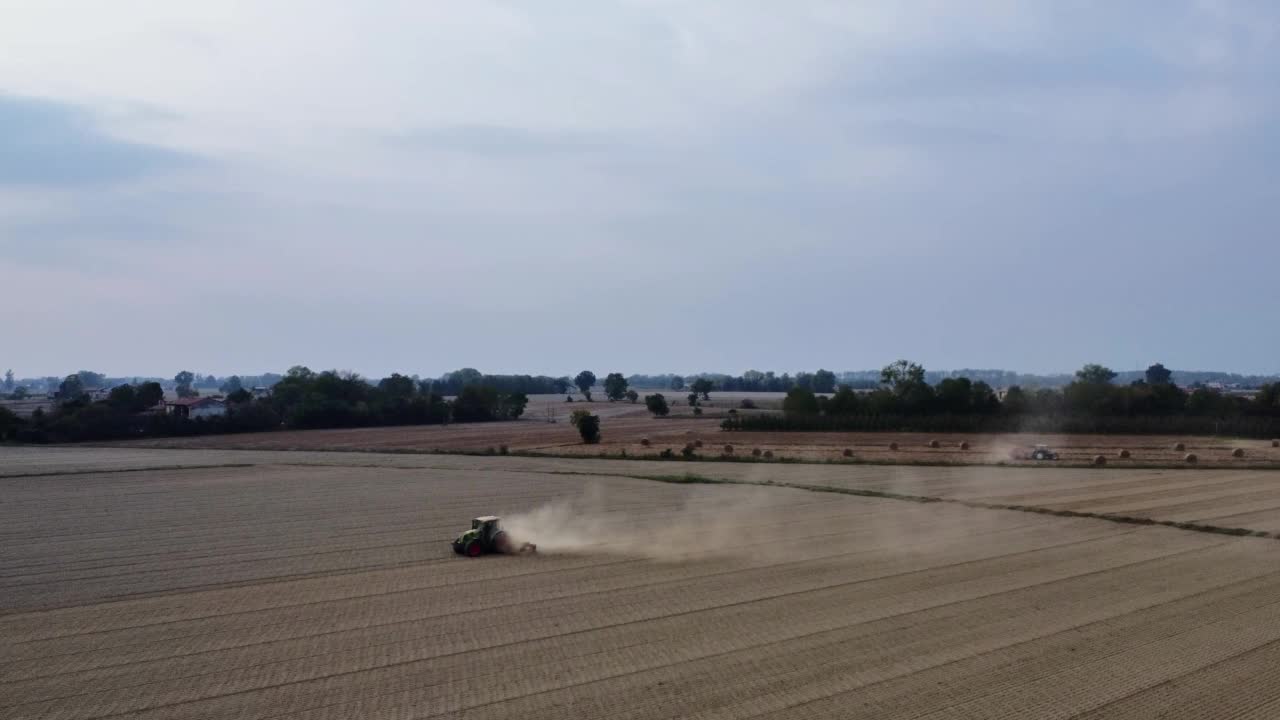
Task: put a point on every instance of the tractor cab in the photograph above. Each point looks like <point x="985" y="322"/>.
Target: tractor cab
<point x="487" y="525"/>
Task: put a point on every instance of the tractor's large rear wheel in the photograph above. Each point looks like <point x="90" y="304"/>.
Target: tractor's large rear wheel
<point x="502" y="542"/>
<point x="474" y="549"/>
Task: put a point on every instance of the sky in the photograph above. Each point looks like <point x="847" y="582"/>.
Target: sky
<point x="656" y="186"/>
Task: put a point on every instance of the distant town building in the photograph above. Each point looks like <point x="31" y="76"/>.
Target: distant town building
<point x="197" y="407"/>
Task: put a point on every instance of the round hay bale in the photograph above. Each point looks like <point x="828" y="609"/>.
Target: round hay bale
<point x="1099" y="459"/>
<point x="848" y="452"/>
<point x="1275" y="443"/>
<point x="697" y="443"/>
<point x="934" y="444"/>
<point x="893" y="446"/>
<point x="1191" y="458"/>
<point x="768" y="453"/>
<point x="1179" y="447"/>
<point x="644" y="442"/>
<point x="964" y="445"/>
<point x="755" y="452"/>
<point x="1237" y="453"/>
<point x="728" y="449"/>
<point x="1124" y="454"/>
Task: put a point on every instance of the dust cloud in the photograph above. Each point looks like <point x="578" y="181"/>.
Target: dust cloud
<point x="1003" y="448"/>
<point x="712" y="521"/>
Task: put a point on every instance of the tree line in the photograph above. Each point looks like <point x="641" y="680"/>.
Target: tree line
<point x="822" y="381"/>
<point x="301" y="399"/>
<point x="1092" y="402"/>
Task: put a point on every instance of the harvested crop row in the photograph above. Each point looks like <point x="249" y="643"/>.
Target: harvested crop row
<point x="330" y="592"/>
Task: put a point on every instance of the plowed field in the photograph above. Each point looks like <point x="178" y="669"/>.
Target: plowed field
<point x="206" y="584"/>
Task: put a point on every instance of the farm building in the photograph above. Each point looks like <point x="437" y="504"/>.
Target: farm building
<point x="197" y="407"/>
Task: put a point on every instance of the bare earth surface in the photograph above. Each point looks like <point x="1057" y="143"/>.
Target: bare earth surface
<point x="624" y="426"/>
<point x="223" y="584"/>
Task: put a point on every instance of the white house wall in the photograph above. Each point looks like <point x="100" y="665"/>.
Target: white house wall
<point x="208" y="411"/>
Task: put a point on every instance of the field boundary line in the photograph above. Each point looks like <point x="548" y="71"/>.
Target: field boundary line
<point x="15" y="476"/>
<point x="856" y="461"/>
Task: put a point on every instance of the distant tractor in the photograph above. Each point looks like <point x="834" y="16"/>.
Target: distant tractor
<point x="487" y="536"/>
<point x="1042" y="452"/>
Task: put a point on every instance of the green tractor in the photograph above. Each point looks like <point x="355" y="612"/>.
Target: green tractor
<point x="487" y="536"/>
<point x="1042" y="452"/>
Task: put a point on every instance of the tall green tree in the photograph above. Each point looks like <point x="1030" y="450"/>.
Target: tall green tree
<point x="464" y="377"/>
<point x="657" y="404"/>
<point x="398" y="387"/>
<point x="476" y="403"/>
<point x="182" y="383"/>
<point x="1095" y="374"/>
<point x="589" y="428"/>
<point x="1158" y="375"/>
<point x="90" y="379"/>
<point x="954" y="395"/>
<point x="844" y="402"/>
<point x="585" y="381"/>
<point x="149" y="395"/>
<point x="902" y="376"/>
<point x="71" y="389"/>
<point x="1015" y="402"/>
<point x="615" y="386"/>
<point x="824" y="381"/>
<point x="1091" y="393"/>
<point x="703" y="387"/>
<point x="8" y="381"/>
<point x="513" y="405"/>
<point x="297" y="372"/>
<point x="983" y="399"/>
<point x="9" y="423"/>
<point x="800" y="401"/>
<point x="1268" y="398"/>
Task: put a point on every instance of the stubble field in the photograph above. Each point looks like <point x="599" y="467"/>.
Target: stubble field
<point x="207" y="584"/>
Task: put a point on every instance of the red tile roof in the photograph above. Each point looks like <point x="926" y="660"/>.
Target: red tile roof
<point x="193" y="401"/>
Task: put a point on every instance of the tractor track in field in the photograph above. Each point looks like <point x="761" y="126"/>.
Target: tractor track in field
<point x="286" y="585"/>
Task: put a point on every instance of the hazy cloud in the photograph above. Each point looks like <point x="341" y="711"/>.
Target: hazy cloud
<point x="49" y="143"/>
<point x="641" y="186"/>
